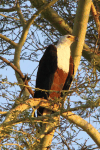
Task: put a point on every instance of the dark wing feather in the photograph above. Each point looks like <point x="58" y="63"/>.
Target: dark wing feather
<point x="45" y="74"/>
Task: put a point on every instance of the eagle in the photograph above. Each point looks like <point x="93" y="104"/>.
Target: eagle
<point x="55" y="71"/>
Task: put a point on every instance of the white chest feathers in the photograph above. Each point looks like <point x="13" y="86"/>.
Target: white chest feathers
<point x="63" y="57"/>
<point x="63" y="52"/>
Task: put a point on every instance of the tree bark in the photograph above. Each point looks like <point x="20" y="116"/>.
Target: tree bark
<point x="79" y="30"/>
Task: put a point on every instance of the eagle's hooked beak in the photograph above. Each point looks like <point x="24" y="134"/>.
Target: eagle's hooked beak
<point x="73" y="38"/>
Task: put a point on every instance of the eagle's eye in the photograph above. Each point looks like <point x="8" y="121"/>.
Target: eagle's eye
<point x="68" y="36"/>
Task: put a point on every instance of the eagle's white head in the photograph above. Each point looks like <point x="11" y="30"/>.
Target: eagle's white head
<point x="66" y="39"/>
<point x="63" y="52"/>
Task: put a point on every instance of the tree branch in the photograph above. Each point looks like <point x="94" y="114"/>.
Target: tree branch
<point x="8" y="40"/>
<point x="87" y="127"/>
<point x="96" y="16"/>
<point x="22" y="20"/>
<point x="95" y="135"/>
<point x="31" y="20"/>
<point x="59" y="23"/>
<point x="9" y="17"/>
<point x="49" y="104"/>
<point x="20" y="74"/>
<point x="79" y="30"/>
<point x="53" y="17"/>
<point x="13" y="66"/>
<point x="8" y="10"/>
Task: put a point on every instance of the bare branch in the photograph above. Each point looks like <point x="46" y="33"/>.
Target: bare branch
<point x="96" y="18"/>
<point x="95" y="135"/>
<point x="31" y="20"/>
<point x="8" y="10"/>
<point x="23" y="21"/>
<point x="95" y="14"/>
<point x="9" y="17"/>
<point x="49" y="104"/>
<point x="79" y="30"/>
<point x="3" y="112"/>
<point x="87" y="127"/>
<point x="8" y="40"/>
<point x="13" y="66"/>
<point x="53" y="17"/>
<point x="20" y="74"/>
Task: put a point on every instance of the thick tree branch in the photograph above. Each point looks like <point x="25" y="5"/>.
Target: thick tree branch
<point x="53" y="17"/>
<point x="49" y="104"/>
<point x="83" y="14"/>
<point x="59" y="23"/>
<point x="87" y="127"/>
<point x="79" y="30"/>
<point x="95" y="135"/>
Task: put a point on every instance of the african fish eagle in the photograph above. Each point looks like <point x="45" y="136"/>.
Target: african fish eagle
<point x="55" y="70"/>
